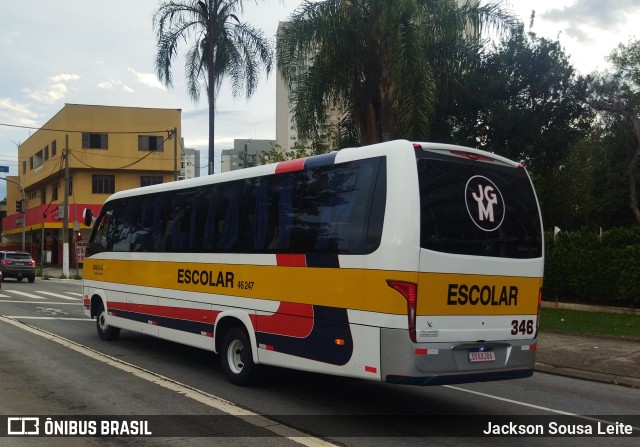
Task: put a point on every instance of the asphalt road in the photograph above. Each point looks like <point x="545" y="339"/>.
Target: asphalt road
<point x="52" y="364"/>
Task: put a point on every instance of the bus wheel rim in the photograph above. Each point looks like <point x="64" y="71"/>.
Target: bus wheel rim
<point x="103" y="321"/>
<point x="234" y="356"/>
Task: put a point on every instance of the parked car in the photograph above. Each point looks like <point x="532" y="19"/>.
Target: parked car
<point x="17" y="264"/>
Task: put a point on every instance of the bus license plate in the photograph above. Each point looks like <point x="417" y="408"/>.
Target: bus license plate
<point x="481" y="356"/>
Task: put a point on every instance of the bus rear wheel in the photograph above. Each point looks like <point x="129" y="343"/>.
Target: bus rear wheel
<point x="105" y="331"/>
<point x="236" y="359"/>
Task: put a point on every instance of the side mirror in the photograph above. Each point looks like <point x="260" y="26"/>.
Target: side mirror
<point x="87" y="214"/>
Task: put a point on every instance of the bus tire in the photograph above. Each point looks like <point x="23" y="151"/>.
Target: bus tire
<point x="105" y="332"/>
<point x="236" y="359"/>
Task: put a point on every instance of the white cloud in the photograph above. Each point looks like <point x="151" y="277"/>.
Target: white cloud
<point x="49" y="94"/>
<point x="64" y="77"/>
<point x="16" y="113"/>
<point x="114" y="84"/>
<point x="55" y="91"/>
<point x="583" y="17"/>
<point x="148" y="79"/>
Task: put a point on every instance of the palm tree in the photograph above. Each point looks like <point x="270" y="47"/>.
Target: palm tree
<point x="223" y="46"/>
<point x="383" y="63"/>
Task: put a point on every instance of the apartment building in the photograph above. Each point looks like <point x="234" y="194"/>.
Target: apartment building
<point x="245" y="153"/>
<point x="286" y="129"/>
<point x="109" y="149"/>
<point x="190" y="163"/>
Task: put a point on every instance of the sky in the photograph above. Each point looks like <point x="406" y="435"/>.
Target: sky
<point x="102" y="52"/>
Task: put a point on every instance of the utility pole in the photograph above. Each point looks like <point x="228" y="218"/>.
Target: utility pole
<point x="175" y="154"/>
<point x="65" y="219"/>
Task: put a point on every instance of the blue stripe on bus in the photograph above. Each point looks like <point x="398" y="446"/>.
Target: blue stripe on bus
<point x="330" y="324"/>
<point x="192" y="327"/>
<point x="323" y="260"/>
<point x="319" y="161"/>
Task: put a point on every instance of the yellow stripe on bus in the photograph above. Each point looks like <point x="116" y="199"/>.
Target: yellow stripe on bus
<point x="456" y="294"/>
<point x="357" y="289"/>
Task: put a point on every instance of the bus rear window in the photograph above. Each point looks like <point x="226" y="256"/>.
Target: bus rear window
<point x="476" y="208"/>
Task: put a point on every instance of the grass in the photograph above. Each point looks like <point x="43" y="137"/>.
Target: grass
<point x="590" y="323"/>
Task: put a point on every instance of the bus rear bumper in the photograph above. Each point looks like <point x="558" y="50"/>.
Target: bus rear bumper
<point x="444" y="363"/>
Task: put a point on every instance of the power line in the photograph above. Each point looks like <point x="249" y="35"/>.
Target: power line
<point x="127" y="165"/>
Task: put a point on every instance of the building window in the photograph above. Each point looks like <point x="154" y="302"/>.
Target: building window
<point x="95" y="140"/>
<point x="103" y="184"/>
<point x="43" y="196"/>
<point x="70" y="186"/>
<point x="54" y="192"/>
<point x="150" y="143"/>
<point x="37" y="160"/>
<point x="24" y="167"/>
<point x="31" y="163"/>
<point x="148" y="180"/>
<point x="54" y="148"/>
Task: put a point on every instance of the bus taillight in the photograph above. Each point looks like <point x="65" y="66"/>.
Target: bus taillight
<point x="409" y="291"/>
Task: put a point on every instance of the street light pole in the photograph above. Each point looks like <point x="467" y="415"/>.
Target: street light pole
<point x="65" y="219"/>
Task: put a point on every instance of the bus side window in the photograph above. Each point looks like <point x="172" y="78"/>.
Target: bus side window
<point x="119" y="232"/>
<point x="230" y="225"/>
<point x="210" y="232"/>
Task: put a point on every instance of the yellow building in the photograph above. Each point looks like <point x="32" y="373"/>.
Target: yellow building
<point x="110" y="149"/>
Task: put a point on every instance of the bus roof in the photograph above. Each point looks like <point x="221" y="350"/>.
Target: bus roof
<point x="269" y="169"/>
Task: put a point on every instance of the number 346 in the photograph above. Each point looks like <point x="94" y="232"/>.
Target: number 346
<point x="522" y="327"/>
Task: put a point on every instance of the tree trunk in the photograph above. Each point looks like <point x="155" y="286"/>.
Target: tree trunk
<point x="212" y="76"/>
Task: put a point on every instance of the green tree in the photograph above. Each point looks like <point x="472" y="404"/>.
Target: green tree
<point x="524" y="101"/>
<point x="382" y="63"/>
<point x="221" y="47"/>
<point x="615" y="94"/>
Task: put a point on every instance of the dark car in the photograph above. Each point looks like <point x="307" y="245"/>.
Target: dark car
<point x="17" y="264"/>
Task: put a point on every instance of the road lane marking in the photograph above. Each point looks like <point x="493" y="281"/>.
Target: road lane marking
<point x="28" y="295"/>
<point x="74" y="294"/>
<point x="58" y="295"/>
<point x="196" y="394"/>
<point x="75" y="303"/>
<point x="528" y="405"/>
<point x="19" y="317"/>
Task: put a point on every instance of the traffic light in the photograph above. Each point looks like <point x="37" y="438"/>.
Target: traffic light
<point x="19" y="206"/>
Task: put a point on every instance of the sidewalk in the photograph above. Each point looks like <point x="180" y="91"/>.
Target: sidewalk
<point x="599" y="359"/>
<point x="55" y="272"/>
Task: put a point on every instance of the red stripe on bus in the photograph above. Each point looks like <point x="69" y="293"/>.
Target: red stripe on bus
<point x="370" y="369"/>
<point x="178" y="313"/>
<point x="285" y="260"/>
<point x="290" y="166"/>
<point x="291" y="320"/>
<point x="117" y="305"/>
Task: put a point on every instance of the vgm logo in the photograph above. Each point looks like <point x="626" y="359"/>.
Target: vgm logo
<point x="484" y="203"/>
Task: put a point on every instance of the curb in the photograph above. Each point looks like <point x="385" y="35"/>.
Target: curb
<point x="594" y="376"/>
<point x="589" y="308"/>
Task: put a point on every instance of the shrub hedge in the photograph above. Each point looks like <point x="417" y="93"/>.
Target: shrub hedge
<point x="592" y="268"/>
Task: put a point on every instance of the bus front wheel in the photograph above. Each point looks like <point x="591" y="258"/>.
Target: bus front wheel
<point x="236" y="358"/>
<point x="105" y="331"/>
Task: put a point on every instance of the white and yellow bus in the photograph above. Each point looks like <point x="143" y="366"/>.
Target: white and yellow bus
<point x="415" y="263"/>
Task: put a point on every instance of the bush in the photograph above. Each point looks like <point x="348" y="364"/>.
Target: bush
<point x="592" y="268"/>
